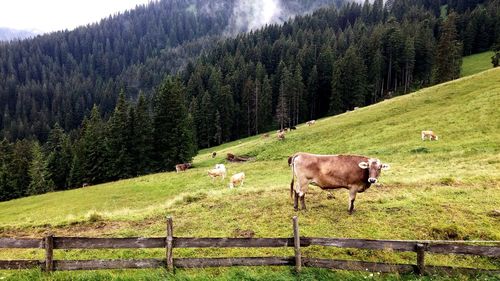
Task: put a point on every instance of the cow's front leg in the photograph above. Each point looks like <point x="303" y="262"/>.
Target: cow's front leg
<point x="295" y="201"/>
<point x="303" y="202"/>
<point x="352" y="197"/>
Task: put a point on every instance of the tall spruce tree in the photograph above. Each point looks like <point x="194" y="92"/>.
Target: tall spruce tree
<point x="58" y="151"/>
<point x="93" y="157"/>
<point x="119" y="141"/>
<point x="41" y="181"/>
<point x="173" y="136"/>
<point x="449" y="52"/>
<point x="142" y="136"/>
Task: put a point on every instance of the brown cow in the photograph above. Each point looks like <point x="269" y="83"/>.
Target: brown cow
<point x="182" y="167"/>
<point x="352" y="172"/>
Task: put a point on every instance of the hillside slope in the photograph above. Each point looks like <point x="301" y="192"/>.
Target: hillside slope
<point x="447" y="189"/>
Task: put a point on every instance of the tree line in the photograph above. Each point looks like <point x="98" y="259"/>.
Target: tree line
<point x="139" y="138"/>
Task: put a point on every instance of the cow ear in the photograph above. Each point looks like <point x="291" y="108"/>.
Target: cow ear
<point x="363" y="165"/>
<point x="385" y="167"/>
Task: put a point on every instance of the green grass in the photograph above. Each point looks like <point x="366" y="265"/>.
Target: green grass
<point x="476" y="63"/>
<point x="446" y="189"/>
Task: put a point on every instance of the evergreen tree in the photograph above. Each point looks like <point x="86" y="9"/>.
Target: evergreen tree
<point x="348" y="83"/>
<point x="173" y="137"/>
<point x="41" y="181"/>
<point x="6" y="188"/>
<point x="142" y="145"/>
<point x="93" y="157"/>
<point x="283" y="106"/>
<point x="58" y="151"/>
<point x="119" y="141"/>
<point x="449" y="52"/>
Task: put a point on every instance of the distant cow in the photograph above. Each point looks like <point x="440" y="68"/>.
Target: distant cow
<point x="429" y="134"/>
<point x="293" y="128"/>
<point x="266" y="135"/>
<point x="281" y="136"/>
<point x="238" y="178"/>
<point x="312" y="122"/>
<point x="182" y="167"/>
<point x="214" y="154"/>
<point x="355" y="173"/>
<point x="219" y="171"/>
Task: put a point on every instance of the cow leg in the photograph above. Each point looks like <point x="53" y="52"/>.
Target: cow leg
<point x="303" y="202"/>
<point x="296" y="201"/>
<point x="352" y="197"/>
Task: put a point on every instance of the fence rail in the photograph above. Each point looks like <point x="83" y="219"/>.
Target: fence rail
<point x="51" y="243"/>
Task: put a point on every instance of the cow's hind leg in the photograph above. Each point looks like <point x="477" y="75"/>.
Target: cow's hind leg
<point x="303" y="202"/>
<point x="352" y="197"/>
<point x="295" y="200"/>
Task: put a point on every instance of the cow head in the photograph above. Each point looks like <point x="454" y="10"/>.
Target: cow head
<point x="374" y="167"/>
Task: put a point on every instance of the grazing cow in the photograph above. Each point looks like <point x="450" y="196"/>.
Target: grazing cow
<point x="214" y="154"/>
<point x="238" y="178"/>
<point x="85" y="184"/>
<point x="182" y="167"/>
<point x="310" y="123"/>
<point x="266" y="135"/>
<point x="219" y="171"/>
<point x="355" y="173"/>
<point x="281" y="136"/>
<point x="293" y="128"/>
<point x="430" y="134"/>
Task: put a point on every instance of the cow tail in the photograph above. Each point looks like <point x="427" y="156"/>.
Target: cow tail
<point x="290" y="163"/>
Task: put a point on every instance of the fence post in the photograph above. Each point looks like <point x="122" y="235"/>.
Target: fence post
<point x="49" y="252"/>
<point x="420" y="248"/>
<point x="169" y="244"/>
<point x="296" y="243"/>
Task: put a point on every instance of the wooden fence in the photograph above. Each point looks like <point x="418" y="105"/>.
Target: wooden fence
<point x="50" y="243"/>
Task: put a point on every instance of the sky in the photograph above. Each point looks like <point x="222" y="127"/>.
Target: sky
<point x="52" y="15"/>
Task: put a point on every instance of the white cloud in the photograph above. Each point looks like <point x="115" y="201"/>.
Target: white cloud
<point x="253" y="14"/>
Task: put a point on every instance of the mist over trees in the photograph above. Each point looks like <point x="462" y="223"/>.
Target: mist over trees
<point x="94" y="105"/>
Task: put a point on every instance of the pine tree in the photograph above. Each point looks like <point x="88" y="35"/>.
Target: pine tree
<point x="265" y="110"/>
<point x="283" y="106"/>
<point x="312" y="90"/>
<point x="41" y="181"/>
<point x="142" y="140"/>
<point x="93" y="157"/>
<point x="173" y="137"/>
<point x="119" y="141"/>
<point x="6" y="188"/>
<point x="449" y="52"/>
<point x="58" y="151"/>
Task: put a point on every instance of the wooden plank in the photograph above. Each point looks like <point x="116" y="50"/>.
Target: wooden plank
<point x="169" y="244"/>
<point x="107" y="264"/>
<point x="20" y="243"/>
<point x="455" y="270"/>
<point x="21" y="264"/>
<point x="361" y="244"/>
<point x="485" y="251"/>
<point x="49" y="253"/>
<point x="232" y="242"/>
<point x="225" y="262"/>
<point x="359" y="265"/>
<point x="296" y="244"/>
<point x="108" y="243"/>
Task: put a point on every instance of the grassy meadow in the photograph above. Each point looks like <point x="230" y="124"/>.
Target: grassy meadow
<point x="447" y="189"/>
<point x="476" y="63"/>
